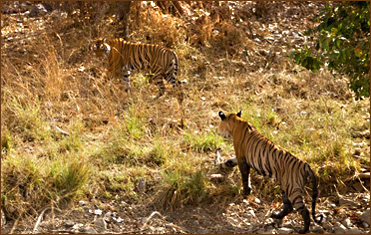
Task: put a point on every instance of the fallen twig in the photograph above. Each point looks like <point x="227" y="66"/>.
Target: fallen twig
<point x="40" y="217"/>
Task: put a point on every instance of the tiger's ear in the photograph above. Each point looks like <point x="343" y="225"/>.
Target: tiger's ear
<point x="222" y="115"/>
<point x="239" y="113"/>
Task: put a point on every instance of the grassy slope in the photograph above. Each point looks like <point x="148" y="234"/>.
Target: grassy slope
<point x="114" y="140"/>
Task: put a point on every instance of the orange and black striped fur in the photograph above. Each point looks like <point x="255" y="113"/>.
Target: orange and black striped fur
<point x="253" y="150"/>
<point x="124" y="57"/>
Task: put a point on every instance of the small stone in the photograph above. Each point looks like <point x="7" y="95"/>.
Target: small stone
<point x="257" y="200"/>
<point x="353" y="231"/>
<point x="38" y="10"/>
<point x="3" y="220"/>
<point x="285" y="230"/>
<point x="264" y="231"/>
<point x="82" y="203"/>
<point x="347" y="223"/>
<point x="327" y="226"/>
<point x="88" y="230"/>
<point x="77" y="226"/>
<point x="68" y="223"/>
<point x="98" y="212"/>
<point x="358" y="187"/>
<point x="339" y="230"/>
<point x="325" y="212"/>
<point x="216" y="177"/>
<point x="346" y="202"/>
<point x="365" y="217"/>
<point x="317" y="229"/>
<point x="365" y="225"/>
<point x="141" y="186"/>
<point x="100" y="225"/>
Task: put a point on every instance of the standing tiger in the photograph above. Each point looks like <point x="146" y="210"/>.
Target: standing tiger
<point x="253" y="150"/>
<point x="123" y="57"/>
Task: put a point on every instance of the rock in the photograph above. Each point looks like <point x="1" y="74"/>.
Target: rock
<point x="257" y="200"/>
<point x="353" y="231"/>
<point x="325" y="212"/>
<point x="47" y="6"/>
<point x="365" y="217"/>
<point x="364" y="175"/>
<point x="68" y="223"/>
<point x="285" y="230"/>
<point x="317" y="229"/>
<point x="347" y="223"/>
<point x="141" y="186"/>
<point x="346" y="202"/>
<point x="98" y="212"/>
<point x="77" y="226"/>
<point x="327" y="226"/>
<point x="88" y="230"/>
<point x="3" y="219"/>
<point x="100" y="225"/>
<point x="339" y="230"/>
<point x="358" y="187"/>
<point x="365" y="225"/>
<point x="216" y="177"/>
<point x="38" y="10"/>
<point x="118" y="220"/>
<point x="265" y="231"/>
<point x="82" y="203"/>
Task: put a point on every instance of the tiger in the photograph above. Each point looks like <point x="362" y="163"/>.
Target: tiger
<point x="253" y="150"/>
<point x="125" y="57"/>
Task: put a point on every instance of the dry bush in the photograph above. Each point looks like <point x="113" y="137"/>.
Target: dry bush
<point x="151" y="26"/>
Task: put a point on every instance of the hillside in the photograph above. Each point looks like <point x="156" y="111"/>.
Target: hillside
<point x="79" y="154"/>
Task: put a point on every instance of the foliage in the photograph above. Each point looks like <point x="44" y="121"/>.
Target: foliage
<point x="342" y="45"/>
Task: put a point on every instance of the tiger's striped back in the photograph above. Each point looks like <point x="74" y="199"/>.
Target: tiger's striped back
<point x="157" y="61"/>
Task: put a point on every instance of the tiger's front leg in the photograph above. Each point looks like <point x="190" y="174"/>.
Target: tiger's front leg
<point x="245" y="173"/>
<point x="126" y="72"/>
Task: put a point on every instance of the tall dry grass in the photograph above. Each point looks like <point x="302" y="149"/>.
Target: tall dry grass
<point x="63" y="120"/>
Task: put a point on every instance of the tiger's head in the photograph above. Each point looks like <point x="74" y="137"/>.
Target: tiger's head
<point x="226" y="125"/>
<point x="100" y="47"/>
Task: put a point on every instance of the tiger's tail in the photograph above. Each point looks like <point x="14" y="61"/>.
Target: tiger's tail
<point x="314" y="194"/>
<point x="174" y="81"/>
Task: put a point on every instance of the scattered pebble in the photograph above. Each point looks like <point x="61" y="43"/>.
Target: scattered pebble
<point x="98" y="212"/>
<point x="365" y="217"/>
<point x="88" y="230"/>
<point x="346" y="202"/>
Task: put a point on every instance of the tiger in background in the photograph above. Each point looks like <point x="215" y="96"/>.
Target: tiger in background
<point x="253" y="150"/>
<point x="124" y="57"/>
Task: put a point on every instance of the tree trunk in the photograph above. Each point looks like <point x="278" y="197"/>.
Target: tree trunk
<point x="123" y="12"/>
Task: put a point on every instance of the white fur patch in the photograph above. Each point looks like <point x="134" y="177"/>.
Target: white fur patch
<point x="108" y="49"/>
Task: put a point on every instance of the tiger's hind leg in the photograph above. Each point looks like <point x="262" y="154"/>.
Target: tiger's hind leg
<point x="177" y="89"/>
<point x="158" y="81"/>
<point x="299" y="206"/>
<point x="287" y="207"/>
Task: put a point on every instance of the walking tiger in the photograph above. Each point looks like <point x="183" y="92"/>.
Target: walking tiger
<point x="253" y="150"/>
<point x="124" y="57"/>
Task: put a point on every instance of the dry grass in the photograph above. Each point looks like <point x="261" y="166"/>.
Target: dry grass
<point x="119" y="139"/>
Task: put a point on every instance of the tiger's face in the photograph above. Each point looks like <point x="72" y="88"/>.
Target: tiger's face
<point x="225" y="127"/>
<point x="100" y="47"/>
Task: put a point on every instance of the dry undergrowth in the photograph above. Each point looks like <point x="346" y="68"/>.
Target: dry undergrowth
<point x="67" y="131"/>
